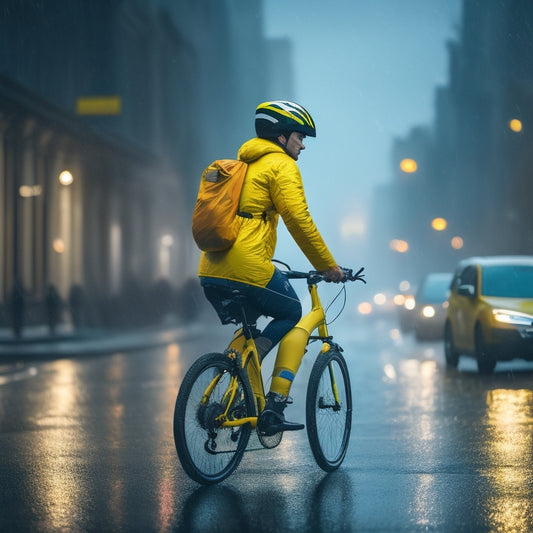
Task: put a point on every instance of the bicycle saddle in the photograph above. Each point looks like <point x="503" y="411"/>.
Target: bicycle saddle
<point x="227" y="302"/>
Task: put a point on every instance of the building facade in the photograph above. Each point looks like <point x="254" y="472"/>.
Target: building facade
<point x="474" y="163"/>
<point x="109" y="111"/>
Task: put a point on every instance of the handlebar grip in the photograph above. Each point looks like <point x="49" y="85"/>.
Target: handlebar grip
<point x="350" y="276"/>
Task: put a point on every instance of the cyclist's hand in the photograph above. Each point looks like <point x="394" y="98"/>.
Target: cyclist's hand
<point x="334" y="274"/>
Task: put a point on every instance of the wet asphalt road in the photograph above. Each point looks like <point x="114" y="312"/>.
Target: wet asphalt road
<point x="86" y="445"/>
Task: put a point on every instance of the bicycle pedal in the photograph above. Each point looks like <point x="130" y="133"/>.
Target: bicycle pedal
<point x="279" y="427"/>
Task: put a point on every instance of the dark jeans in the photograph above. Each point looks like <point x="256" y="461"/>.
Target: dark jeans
<point x="277" y="300"/>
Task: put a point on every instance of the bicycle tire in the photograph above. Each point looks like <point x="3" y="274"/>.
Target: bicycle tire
<point x="209" y="460"/>
<point x="329" y="424"/>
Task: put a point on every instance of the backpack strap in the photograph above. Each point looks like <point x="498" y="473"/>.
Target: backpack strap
<point x="244" y="214"/>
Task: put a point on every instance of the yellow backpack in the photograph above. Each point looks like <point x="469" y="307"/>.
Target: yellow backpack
<point x="216" y="218"/>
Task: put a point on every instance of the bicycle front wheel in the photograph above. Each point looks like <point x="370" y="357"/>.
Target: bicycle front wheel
<point x="329" y="410"/>
<point x="208" y="452"/>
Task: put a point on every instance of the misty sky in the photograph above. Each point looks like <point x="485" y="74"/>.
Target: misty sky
<point x="367" y="71"/>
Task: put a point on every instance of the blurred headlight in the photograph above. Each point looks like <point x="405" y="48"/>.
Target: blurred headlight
<point x="409" y="303"/>
<point x="512" y="317"/>
<point x="428" y="311"/>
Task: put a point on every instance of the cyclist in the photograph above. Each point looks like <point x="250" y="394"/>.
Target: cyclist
<point x="272" y="187"/>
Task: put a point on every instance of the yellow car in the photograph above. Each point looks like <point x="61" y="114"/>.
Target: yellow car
<point x="490" y="311"/>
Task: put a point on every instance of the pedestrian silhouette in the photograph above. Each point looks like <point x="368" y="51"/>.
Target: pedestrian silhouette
<point x="17" y="304"/>
<point x="54" y="308"/>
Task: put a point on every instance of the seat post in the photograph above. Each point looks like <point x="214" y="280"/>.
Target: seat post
<point x="246" y="327"/>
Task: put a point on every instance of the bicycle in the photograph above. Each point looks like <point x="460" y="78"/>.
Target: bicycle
<point x="222" y="394"/>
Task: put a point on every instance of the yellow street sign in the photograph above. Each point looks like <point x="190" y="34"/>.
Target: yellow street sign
<point x="99" y="105"/>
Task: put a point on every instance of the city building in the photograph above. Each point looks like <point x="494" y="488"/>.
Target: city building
<point x="109" y="111"/>
<point x="467" y="191"/>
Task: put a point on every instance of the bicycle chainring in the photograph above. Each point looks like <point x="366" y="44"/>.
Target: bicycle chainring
<point x="270" y="441"/>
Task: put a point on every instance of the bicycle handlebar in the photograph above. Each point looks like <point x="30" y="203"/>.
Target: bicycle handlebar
<point x="315" y="277"/>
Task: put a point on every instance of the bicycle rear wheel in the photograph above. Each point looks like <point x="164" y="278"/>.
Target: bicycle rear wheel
<point x="208" y="452"/>
<point x="329" y="413"/>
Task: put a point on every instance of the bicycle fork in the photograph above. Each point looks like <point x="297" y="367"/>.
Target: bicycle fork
<point x="316" y="319"/>
<point x="337" y="405"/>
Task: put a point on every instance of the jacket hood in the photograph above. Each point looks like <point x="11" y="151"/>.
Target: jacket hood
<point x="255" y="148"/>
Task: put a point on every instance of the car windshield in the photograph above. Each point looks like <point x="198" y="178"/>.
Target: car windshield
<point x="436" y="289"/>
<point x="509" y="281"/>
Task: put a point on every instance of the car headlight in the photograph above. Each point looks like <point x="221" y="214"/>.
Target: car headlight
<point x="512" y="317"/>
<point x="428" y="311"/>
<point x="409" y="303"/>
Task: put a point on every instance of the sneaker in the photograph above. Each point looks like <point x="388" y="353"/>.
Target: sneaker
<point x="271" y="420"/>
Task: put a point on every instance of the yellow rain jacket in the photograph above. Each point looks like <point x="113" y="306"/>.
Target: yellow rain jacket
<point x="272" y="187"/>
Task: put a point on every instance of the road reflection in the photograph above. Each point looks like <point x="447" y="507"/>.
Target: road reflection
<point x="88" y="446"/>
<point x="218" y="508"/>
<point x="332" y="504"/>
<point x="93" y="424"/>
<point x="57" y="417"/>
<point x="477" y="428"/>
<point x="509" y="448"/>
<point x="416" y="406"/>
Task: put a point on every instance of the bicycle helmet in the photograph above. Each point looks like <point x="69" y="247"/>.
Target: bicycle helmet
<point x="281" y="117"/>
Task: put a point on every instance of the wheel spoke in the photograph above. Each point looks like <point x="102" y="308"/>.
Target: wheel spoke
<point x="208" y="452"/>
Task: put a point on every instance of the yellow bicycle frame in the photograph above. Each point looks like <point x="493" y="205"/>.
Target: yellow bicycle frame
<point x="251" y="364"/>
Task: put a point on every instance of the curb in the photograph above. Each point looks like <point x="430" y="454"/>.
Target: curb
<point x="97" y="344"/>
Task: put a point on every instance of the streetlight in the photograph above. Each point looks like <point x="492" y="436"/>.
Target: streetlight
<point x="457" y="242"/>
<point x="66" y="178"/>
<point x="404" y="285"/>
<point x="58" y="245"/>
<point x="439" y="224"/>
<point x="167" y="241"/>
<point x="408" y="165"/>
<point x="29" y="191"/>
<point x="380" y="298"/>
<point x="399" y="246"/>
<point x="364" y="308"/>
<point x="515" y="125"/>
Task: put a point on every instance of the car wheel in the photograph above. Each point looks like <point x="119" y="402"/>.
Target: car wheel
<point x="485" y="363"/>
<point x="450" y="351"/>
